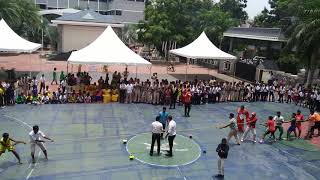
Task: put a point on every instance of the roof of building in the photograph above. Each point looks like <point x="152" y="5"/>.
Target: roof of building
<point x="268" y="65"/>
<point x="88" y="16"/>
<point x="266" y="34"/>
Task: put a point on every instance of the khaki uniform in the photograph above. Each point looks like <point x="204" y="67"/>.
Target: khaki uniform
<point x="137" y="93"/>
<point x="156" y="95"/>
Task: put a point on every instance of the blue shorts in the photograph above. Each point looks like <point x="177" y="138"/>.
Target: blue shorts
<point x="292" y="128"/>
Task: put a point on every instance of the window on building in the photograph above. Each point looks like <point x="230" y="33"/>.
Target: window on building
<point x="118" y="12"/>
<point x="227" y="66"/>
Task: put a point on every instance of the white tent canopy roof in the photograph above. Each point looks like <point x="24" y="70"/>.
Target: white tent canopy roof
<point x="202" y="48"/>
<point x="12" y="42"/>
<point x="107" y="49"/>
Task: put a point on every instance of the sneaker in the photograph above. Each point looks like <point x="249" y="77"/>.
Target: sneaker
<point x="254" y="141"/>
<point x="241" y="140"/>
<point x="261" y="141"/>
<point x="169" y="155"/>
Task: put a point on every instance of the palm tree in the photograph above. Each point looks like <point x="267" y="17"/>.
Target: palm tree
<point x="21" y="15"/>
<point x="305" y="39"/>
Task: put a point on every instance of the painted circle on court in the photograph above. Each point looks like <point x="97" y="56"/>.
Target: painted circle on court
<point x="185" y="151"/>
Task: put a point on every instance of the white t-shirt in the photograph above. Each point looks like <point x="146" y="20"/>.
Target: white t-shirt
<point x="129" y="88"/>
<point x="34" y="137"/>
<point x="42" y="79"/>
<point x="157" y="127"/>
<point x="172" y="128"/>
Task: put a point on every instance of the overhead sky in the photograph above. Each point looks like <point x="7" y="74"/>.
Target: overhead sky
<point x="254" y="7"/>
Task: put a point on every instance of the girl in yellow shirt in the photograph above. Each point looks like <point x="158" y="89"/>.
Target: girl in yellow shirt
<point x="5" y="144"/>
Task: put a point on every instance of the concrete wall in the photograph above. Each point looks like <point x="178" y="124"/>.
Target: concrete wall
<point x="77" y="37"/>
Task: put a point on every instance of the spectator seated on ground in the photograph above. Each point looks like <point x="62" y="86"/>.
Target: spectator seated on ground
<point x="80" y="98"/>
<point x="63" y="98"/>
<point x="29" y="99"/>
<point x="45" y="99"/>
<point x="35" y="100"/>
<point x="115" y="95"/>
<point x="54" y="98"/>
<point x="106" y="95"/>
<point x="87" y="98"/>
<point x="72" y="97"/>
<point x="99" y="96"/>
<point x="21" y="99"/>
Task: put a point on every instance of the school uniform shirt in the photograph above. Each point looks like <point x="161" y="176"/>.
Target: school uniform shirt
<point x="252" y="122"/>
<point x="279" y="120"/>
<point x="233" y="124"/>
<point x="172" y="128"/>
<point x="34" y="137"/>
<point x="42" y="80"/>
<point x="289" y="92"/>
<point x="157" y="127"/>
<point x="129" y="88"/>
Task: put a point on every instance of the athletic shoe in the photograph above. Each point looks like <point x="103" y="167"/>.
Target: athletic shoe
<point x="261" y="141"/>
<point x="254" y="141"/>
<point x="241" y="140"/>
<point x="169" y="155"/>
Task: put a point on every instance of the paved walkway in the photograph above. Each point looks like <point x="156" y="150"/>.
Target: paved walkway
<point x="33" y="62"/>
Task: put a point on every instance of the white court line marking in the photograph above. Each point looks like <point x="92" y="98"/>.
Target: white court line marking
<point x="181" y="173"/>
<point x="26" y="124"/>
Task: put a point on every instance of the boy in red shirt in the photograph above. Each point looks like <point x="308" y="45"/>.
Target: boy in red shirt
<point x="243" y="114"/>
<point x="300" y="119"/>
<point x="251" y="126"/>
<point x="270" y="129"/>
<point x="187" y="102"/>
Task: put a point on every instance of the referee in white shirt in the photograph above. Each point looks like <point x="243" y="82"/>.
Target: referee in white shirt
<point x="157" y="129"/>
<point x="171" y="133"/>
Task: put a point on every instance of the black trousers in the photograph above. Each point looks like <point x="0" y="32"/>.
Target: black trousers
<point x="170" y="139"/>
<point x="316" y="126"/>
<point x="155" y="137"/>
<point x="1" y="100"/>
<point x="122" y="95"/>
<point x="187" y="108"/>
<point x="173" y="102"/>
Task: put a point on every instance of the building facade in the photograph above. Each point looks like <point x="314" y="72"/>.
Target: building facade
<point x="126" y="11"/>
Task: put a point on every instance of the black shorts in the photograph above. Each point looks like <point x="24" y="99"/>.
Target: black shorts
<point x="317" y="125"/>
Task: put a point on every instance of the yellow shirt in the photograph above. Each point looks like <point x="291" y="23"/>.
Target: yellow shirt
<point x="1" y="91"/>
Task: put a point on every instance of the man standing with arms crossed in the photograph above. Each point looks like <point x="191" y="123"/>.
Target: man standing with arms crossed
<point x="172" y="134"/>
<point x="157" y="130"/>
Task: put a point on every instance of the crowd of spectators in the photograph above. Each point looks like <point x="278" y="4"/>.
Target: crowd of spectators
<point x="78" y="88"/>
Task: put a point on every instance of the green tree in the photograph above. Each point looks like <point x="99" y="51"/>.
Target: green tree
<point x="236" y="8"/>
<point x="305" y="40"/>
<point x="21" y="15"/>
<point x="181" y="21"/>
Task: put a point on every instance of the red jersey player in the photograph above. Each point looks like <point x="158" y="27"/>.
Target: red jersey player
<point x="243" y="114"/>
<point x="300" y="119"/>
<point x="270" y="129"/>
<point x="251" y="126"/>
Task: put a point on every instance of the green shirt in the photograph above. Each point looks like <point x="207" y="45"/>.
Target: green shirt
<point x="54" y="75"/>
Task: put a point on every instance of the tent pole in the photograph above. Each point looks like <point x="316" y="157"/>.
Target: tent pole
<point x="185" y="76"/>
<point x="136" y="71"/>
<point x="30" y="64"/>
<point x="234" y="72"/>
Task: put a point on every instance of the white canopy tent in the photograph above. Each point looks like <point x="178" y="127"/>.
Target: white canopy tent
<point x="202" y="48"/>
<point x="107" y="49"/>
<point x="12" y="42"/>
